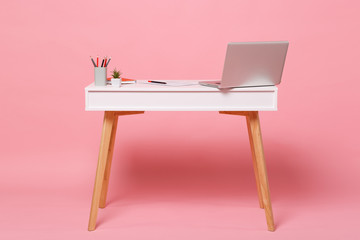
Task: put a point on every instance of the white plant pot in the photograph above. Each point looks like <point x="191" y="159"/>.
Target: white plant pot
<point x="116" y="82"/>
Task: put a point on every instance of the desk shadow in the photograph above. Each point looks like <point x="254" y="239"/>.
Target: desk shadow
<point x="224" y="173"/>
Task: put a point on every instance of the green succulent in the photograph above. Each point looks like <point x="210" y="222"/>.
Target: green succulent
<point x="116" y="73"/>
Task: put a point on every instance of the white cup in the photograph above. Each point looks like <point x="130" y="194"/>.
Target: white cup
<point x="100" y="76"/>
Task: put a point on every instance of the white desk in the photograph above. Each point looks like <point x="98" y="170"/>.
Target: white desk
<point x="141" y="97"/>
<point x="151" y="97"/>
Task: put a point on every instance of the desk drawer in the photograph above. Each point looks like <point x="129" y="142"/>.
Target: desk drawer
<point x="181" y="101"/>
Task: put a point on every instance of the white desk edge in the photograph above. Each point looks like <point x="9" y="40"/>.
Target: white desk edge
<point x="152" y="97"/>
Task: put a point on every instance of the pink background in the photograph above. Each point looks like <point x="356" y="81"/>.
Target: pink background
<point x="178" y="175"/>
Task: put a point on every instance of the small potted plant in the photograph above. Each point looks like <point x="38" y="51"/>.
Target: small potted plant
<point x="116" y="79"/>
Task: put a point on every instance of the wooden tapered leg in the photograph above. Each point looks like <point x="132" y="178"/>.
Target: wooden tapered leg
<point x="255" y="138"/>
<point x="246" y="114"/>
<point x="105" y="184"/>
<point x="104" y="163"/>
<point x="254" y="163"/>
<point x="108" y="124"/>
<point x="255" y="132"/>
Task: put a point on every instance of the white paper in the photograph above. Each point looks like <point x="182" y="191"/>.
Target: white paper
<point x="173" y="83"/>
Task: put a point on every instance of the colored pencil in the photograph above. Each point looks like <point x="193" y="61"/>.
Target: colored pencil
<point x="93" y="61"/>
<point x="108" y="62"/>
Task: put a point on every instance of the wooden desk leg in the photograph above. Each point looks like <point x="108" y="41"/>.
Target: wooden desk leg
<point x="256" y="171"/>
<point x="254" y="130"/>
<point x="256" y="138"/>
<point x="108" y="124"/>
<point x="105" y="184"/>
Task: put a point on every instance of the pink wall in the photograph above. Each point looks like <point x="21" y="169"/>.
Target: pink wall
<point x="49" y="144"/>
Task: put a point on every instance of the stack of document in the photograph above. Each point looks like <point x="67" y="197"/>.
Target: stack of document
<point x="128" y="80"/>
<point x="125" y="80"/>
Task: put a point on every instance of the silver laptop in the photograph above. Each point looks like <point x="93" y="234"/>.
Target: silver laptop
<point x="250" y="64"/>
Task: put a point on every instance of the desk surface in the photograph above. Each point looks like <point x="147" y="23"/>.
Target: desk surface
<point x="152" y="97"/>
<point x="142" y="86"/>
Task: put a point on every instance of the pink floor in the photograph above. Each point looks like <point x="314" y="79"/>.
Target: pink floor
<point x="181" y="189"/>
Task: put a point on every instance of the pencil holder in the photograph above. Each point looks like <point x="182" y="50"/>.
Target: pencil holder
<point x="100" y="76"/>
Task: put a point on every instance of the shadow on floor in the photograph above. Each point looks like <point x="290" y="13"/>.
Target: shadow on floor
<point x="196" y="171"/>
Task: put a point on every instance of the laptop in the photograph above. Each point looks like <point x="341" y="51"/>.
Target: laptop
<point x="252" y="64"/>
